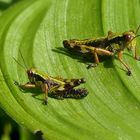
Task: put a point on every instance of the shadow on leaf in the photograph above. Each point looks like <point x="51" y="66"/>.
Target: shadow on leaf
<point x="87" y="59"/>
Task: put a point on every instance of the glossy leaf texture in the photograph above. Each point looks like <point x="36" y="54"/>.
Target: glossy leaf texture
<point x="111" y="111"/>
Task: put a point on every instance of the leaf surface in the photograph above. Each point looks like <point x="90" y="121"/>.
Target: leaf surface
<point x="111" y="110"/>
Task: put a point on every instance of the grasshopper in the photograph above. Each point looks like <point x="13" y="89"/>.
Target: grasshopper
<point x="108" y="46"/>
<point x="55" y="87"/>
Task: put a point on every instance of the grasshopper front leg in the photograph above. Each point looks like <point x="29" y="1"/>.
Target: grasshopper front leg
<point x="28" y="85"/>
<point x="121" y="60"/>
<point x="25" y="86"/>
<point x="136" y="54"/>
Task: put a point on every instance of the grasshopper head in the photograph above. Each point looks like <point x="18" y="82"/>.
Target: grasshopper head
<point x="69" y="44"/>
<point x="31" y="72"/>
<point x="66" y="43"/>
<point x="129" y="39"/>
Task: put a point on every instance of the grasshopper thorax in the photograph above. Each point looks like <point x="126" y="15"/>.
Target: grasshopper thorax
<point x="36" y="76"/>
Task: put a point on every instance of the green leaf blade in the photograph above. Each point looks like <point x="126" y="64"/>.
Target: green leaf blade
<point x="37" y="28"/>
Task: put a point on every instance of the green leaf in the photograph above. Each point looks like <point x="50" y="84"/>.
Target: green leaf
<point x="111" y="111"/>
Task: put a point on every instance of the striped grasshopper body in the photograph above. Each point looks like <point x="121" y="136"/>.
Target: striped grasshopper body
<point x="110" y="45"/>
<point x="55" y="87"/>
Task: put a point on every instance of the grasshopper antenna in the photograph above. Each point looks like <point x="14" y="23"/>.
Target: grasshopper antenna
<point x="20" y="64"/>
<point x="134" y="38"/>
<point x="23" y="60"/>
<point x="137" y="29"/>
<point x="23" y="66"/>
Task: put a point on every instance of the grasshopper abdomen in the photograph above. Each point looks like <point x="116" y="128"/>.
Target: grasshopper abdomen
<point x="70" y="93"/>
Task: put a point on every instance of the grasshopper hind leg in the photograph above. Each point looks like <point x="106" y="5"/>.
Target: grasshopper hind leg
<point x="96" y="59"/>
<point x="101" y="52"/>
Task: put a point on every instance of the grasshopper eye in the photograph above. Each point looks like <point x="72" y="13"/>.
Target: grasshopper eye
<point x="30" y="73"/>
<point x="128" y="37"/>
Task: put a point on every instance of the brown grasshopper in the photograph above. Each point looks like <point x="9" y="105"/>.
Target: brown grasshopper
<point x="110" y="45"/>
